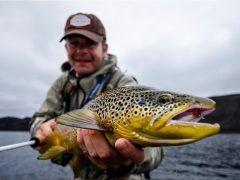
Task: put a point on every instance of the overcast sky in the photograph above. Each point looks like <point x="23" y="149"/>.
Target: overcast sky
<point x="182" y="46"/>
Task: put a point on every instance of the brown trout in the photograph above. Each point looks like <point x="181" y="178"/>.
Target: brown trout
<point x="144" y="115"/>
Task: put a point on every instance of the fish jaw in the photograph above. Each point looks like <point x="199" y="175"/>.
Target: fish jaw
<point x="181" y="126"/>
<point x="175" y="133"/>
<point x="188" y="131"/>
<point x="185" y="124"/>
<point x="195" y="111"/>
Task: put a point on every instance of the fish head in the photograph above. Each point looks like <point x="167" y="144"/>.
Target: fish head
<point x="168" y="118"/>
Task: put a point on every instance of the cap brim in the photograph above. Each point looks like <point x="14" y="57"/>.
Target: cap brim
<point x="88" y="34"/>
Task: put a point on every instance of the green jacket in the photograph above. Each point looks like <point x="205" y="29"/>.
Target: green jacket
<point x="55" y="105"/>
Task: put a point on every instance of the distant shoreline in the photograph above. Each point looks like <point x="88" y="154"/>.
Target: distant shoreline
<point x="17" y="124"/>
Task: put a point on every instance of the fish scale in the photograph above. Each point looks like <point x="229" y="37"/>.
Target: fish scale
<point x="114" y="104"/>
<point x="144" y="115"/>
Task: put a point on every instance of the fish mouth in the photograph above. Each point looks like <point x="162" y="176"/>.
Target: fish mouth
<point x="193" y="114"/>
<point x="183" y="127"/>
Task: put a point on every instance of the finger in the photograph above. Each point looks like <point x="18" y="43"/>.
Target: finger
<point x="53" y="124"/>
<point x="105" y="151"/>
<point x="44" y="131"/>
<point x="48" y="127"/>
<point x="102" y="164"/>
<point x="89" y="147"/>
<point x="80" y="140"/>
<point x="100" y="144"/>
<point x="133" y="153"/>
<point x="95" y="146"/>
<point x="41" y="136"/>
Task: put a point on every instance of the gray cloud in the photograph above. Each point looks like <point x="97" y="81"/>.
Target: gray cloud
<point x="188" y="47"/>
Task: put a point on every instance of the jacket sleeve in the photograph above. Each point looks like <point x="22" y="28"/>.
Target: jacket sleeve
<point x="153" y="155"/>
<point x="50" y="108"/>
<point x="153" y="158"/>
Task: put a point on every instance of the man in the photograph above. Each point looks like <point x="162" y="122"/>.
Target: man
<point x="91" y="67"/>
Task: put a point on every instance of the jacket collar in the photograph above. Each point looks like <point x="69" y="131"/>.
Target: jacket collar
<point x="88" y="83"/>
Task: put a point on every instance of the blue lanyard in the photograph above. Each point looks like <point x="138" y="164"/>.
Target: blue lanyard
<point x="95" y="89"/>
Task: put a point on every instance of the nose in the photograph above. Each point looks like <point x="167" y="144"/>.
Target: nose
<point x="81" y="49"/>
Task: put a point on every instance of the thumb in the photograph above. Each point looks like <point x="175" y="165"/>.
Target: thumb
<point x="130" y="151"/>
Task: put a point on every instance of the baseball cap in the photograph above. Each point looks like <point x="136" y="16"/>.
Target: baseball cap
<point x="85" y="24"/>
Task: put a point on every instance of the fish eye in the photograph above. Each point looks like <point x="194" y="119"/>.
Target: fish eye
<point x="164" y="99"/>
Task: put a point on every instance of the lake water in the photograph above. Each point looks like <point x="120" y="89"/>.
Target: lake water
<point x="214" y="158"/>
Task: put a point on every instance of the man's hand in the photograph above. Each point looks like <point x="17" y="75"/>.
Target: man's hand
<point x="44" y="131"/>
<point x="130" y="151"/>
<point x="95" y="146"/>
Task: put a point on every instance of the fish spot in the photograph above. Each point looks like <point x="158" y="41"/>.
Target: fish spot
<point x="120" y="104"/>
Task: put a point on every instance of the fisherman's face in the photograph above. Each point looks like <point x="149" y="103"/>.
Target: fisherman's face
<point x="85" y="55"/>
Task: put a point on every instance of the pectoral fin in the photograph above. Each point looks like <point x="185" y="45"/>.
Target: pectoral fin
<point x="82" y="118"/>
<point x="52" y="152"/>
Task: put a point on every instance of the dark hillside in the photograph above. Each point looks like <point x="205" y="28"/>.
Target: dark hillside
<point x="227" y="113"/>
<point x="14" y="124"/>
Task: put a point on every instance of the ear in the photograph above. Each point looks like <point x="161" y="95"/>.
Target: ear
<point x="105" y="50"/>
<point x="66" y="46"/>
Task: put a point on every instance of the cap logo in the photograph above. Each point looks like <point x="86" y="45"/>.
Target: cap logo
<point x="80" y="20"/>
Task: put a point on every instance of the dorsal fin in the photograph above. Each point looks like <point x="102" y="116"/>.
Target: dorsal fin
<point x="82" y="118"/>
